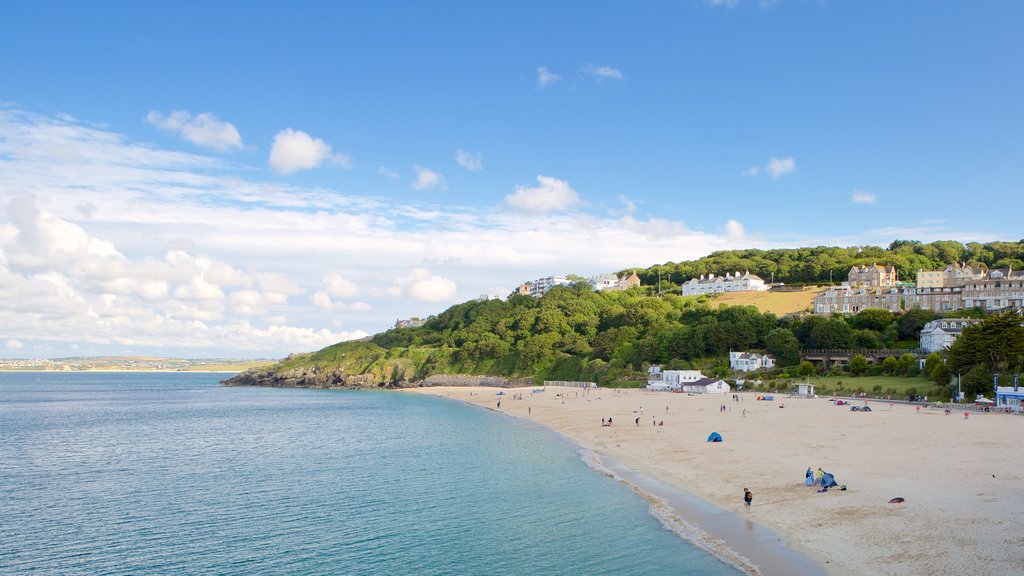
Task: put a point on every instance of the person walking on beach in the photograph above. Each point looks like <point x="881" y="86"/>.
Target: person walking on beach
<point x="637" y="420"/>
<point x="748" y="497"/>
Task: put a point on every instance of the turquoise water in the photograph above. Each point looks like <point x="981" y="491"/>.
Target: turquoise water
<point x="174" y="474"/>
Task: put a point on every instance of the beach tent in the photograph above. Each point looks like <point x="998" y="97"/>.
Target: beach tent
<point x="828" y="480"/>
<point x="500" y="394"/>
<point x="715" y="437"/>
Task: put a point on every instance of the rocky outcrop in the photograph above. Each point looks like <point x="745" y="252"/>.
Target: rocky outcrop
<point x="311" y="377"/>
<point x="320" y="377"/>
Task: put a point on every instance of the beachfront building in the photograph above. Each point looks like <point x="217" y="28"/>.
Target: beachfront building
<point x="706" y="386"/>
<point x="940" y="334"/>
<point x="874" y="276"/>
<point x="673" y="380"/>
<point x="750" y="361"/>
<point x="712" y="284"/>
<point x="1010" y="397"/>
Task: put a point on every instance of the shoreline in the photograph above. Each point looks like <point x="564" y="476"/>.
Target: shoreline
<point x="959" y="477"/>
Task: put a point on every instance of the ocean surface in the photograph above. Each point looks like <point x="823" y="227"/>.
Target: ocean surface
<point x="120" y="473"/>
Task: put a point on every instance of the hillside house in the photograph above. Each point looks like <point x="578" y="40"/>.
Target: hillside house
<point x="750" y="361"/>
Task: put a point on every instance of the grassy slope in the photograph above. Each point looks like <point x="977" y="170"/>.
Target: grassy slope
<point x="778" y="303"/>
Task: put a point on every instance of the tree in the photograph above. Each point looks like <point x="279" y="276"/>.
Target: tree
<point x="782" y="344"/>
<point x="993" y="345"/>
<point x="890" y="365"/>
<point x="940" y="374"/>
<point x="933" y="360"/>
<point x="805" y="369"/>
<point x="911" y="322"/>
<point x="873" y="319"/>
<point x="858" y="365"/>
<point x="905" y="363"/>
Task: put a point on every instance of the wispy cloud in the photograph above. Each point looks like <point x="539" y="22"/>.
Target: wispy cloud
<point x="295" y="150"/>
<point x="774" y="167"/>
<point x="862" y="197"/>
<point x="777" y="167"/>
<point x="385" y="171"/>
<point x="427" y="179"/>
<point x="472" y="161"/>
<point x="203" y="129"/>
<point x="546" y="77"/>
<point x="726" y="3"/>
<point x="603" y="72"/>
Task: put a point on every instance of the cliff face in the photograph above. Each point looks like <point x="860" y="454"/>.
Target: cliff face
<point x="319" y="377"/>
<point x="311" y="377"/>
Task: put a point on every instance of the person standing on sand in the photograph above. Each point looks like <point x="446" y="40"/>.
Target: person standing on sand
<point x="748" y="497"/>
<point x="637" y="420"/>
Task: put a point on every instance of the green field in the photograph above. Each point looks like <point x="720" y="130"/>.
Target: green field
<point x="896" y="386"/>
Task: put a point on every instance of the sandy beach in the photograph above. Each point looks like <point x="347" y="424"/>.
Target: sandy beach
<point x="960" y="478"/>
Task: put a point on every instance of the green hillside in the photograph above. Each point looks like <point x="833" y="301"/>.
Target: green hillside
<point x="574" y="333"/>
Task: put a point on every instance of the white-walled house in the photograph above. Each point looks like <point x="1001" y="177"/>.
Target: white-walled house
<point x="712" y="284"/>
<point x="940" y="334"/>
<point x="706" y="386"/>
<point x="748" y="362"/>
<point x="670" y="379"/>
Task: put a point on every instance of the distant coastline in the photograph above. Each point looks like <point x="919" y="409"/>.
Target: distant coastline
<point x="131" y="364"/>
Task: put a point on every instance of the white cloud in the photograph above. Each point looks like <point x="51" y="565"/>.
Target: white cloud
<point x="385" y="171"/>
<point x="322" y="300"/>
<point x="173" y="257"/>
<point x="862" y="197"/>
<point x="471" y="161"/>
<point x="427" y="179"/>
<point x="546" y="77"/>
<point x="727" y="3"/>
<point x="423" y="286"/>
<point x="752" y="171"/>
<point x="203" y="129"/>
<point x="338" y="285"/>
<point x="603" y="72"/>
<point x="295" y="150"/>
<point x="13" y="345"/>
<point x="777" y="167"/>
<point x="734" y="230"/>
<point x="551" y="195"/>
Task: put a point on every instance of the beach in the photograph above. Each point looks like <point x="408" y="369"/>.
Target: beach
<point x="959" y="477"/>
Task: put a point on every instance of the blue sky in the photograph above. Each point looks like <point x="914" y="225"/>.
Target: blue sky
<point x="259" y="178"/>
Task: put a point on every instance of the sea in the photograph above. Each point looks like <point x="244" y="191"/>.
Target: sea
<point x="173" y="473"/>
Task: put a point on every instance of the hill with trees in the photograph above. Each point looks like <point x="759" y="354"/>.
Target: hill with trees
<point x="574" y="333"/>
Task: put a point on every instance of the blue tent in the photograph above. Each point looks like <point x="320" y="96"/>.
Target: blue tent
<point x="828" y="481"/>
<point x="715" y="437"/>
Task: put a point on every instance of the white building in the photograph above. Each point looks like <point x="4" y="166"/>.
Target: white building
<point x="707" y="386"/>
<point x="671" y="379"/>
<point x="613" y="282"/>
<point x="1010" y="397"/>
<point x="729" y="283"/>
<point x="540" y="286"/>
<point x="748" y="362"/>
<point x="940" y="334"/>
